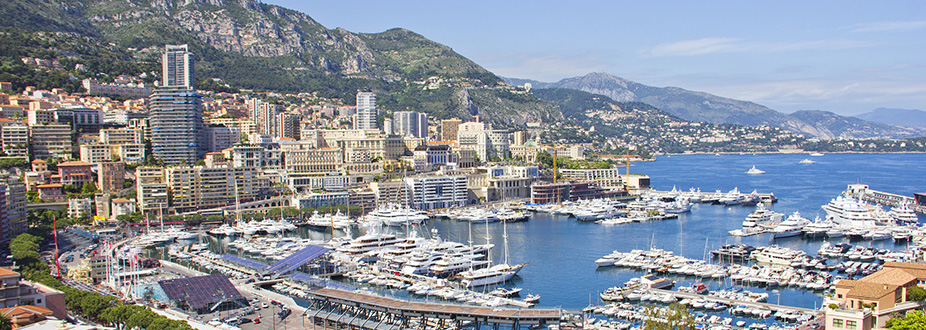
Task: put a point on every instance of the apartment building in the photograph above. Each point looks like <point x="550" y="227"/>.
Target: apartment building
<point x="110" y="176"/>
<point x="50" y="141"/>
<point x="198" y="187"/>
<point x="151" y="192"/>
<point x="869" y="302"/>
<point x="122" y="135"/>
<point x="15" y="139"/>
<point x="15" y="291"/>
<point x="313" y="161"/>
<point x="96" y="153"/>
<point x="437" y="191"/>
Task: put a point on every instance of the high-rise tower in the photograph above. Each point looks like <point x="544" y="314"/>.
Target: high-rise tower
<point x="366" y="111"/>
<point x="177" y="65"/>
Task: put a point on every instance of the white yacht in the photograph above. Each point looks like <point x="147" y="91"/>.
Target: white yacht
<point x="762" y="215"/>
<point x="904" y="214"/>
<point x="492" y="275"/>
<point x="776" y="255"/>
<point x="816" y="154"/>
<point x="849" y="212"/>
<point x="755" y="170"/>
<point x="818" y="228"/>
<point x="369" y="242"/>
<point x="420" y="263"/>
<point x="792" y="226"/>
<point x="733" y="197"/>
<point x="807" y="161"/>
<point x="449" y="266"/>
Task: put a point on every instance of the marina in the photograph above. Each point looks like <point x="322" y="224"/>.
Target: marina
<point x="561" y="256"/>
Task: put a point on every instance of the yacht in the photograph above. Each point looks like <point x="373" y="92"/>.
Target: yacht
<point x="737" y="252"/>
<point x="733" y="197"/>
<point x="792" y="226"/>
<point x="776" y="255"/>
<point x="492" y="275"/>
<point x="755" y="170"/>
<point x="904" y="214"/>
<point x="816" y="154"/>
<point x="369" y="242"/>
<point x="761" y="215"/>
<point x="420" y="263"/>
<point x="848" y="211"/>
<point x="807" y="161"/>
<point x="450" y="266"/>
<point x="817" y="229"/>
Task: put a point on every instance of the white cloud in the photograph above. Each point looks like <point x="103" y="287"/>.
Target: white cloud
<point x="719" y="45"/>
<point x="889" y="26"/>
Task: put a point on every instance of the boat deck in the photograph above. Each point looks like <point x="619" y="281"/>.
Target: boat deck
<point x="733" y="302"/>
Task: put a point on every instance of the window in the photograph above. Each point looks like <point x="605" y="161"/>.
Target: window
<point x="850" y="324"/>
<point x="839" y="296"/>
<point x="837" y="323"/>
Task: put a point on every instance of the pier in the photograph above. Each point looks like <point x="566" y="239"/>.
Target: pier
<point x="338" y="308"/>
<point x="884" y="198"/>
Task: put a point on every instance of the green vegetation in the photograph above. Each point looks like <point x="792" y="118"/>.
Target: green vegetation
<point x="674" y="317"/>
<point x="916" y="293"/>
<point x="914" y="320"/>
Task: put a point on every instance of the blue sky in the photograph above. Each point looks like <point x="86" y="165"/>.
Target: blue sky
<point x="847" y="57"/>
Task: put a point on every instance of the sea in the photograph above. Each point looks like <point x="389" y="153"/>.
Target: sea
<point x="561" y="251"/>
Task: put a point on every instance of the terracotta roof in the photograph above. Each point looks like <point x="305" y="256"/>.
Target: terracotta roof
<point x="121" y="200"/>
<point x="38" y="161"/>
<point x="7" y="271"/>
<point x="892" y="276"/>
<point x="50" y="185"/>
<point x="26" y="314"/>
<point x="871" y="290"/>
<point x="915" y="269"/>
<point x="74" y="163"/>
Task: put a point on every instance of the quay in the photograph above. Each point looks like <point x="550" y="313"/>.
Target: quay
<point x="734" y="302"/>
<point x="867" y="194"/>
<point x="339" y="308"/>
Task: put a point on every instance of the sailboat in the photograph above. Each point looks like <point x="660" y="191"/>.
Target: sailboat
<point x="495" y="274"/>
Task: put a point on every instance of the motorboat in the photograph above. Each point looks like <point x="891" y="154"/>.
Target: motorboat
<point x="792" y="226"/>
<point x="733" y="197"/>
<point x="849" y="211"/>
<point x="737" y="252"/>
<point x="762" y="215"/>
<point x="755" y="170"/>
<point x="807" y="161"/>
<point x="816" y="154"/>
<point x="776" y="255"/>
<point x="904" y="214"/>
<point x="817" y="229"/>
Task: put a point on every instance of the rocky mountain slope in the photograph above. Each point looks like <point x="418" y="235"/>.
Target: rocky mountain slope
<point x="705" y="107"/>
<point x="254" y="45"/>
<point x="899" y="117"/>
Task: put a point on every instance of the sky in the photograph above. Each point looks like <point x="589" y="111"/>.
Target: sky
<point x="848" y="57"/>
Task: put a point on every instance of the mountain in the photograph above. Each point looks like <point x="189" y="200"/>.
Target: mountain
<point x="836" y="126"/>
<point x="900" y="117"/>
<point x="253" y="45"/>
<point x="705" y="107"/>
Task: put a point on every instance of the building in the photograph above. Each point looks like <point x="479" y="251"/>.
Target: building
<point x="388" y="126"/>
<point x="871" y="301"/>
<point x="110" y="176"/>
<point x="509" y="182"/>
<point x="51" y="191"/>
<point x="411" y="123"/>
<point x="14" y="221"/>
<point x="79" y="207"/>
<point x="314" y="200"/>
<point x="312" y="161"/>
<point x="264" y="116"/>
<point x="437" y="191"/>
<point x="203" y="294"/>
<point x="394" y="192"/>
<point x="544" y="193"/>
<point x="176" y="125"/>
<point x="432" y="156"/>
<point x="51" y="141"/>
<point x="151" y="192"/>
<point x="15" y="139"/>
<point x="115" y="136"/>
<point x="131" y="153"/>
<point x="21" y="316"/>
<point x="366" y="111"/>
<point x="177" y="67"/>
<point x="287" y="126"/>
<point x="196" y="187"/>
<point x="449" y="129"/>
<point x="17" y="292"/>
<point x="120" y="206"/>
<point x="80" y="119"/>
<point x="607" y="178"/>
<point x="255" y="156"/>
<point x="219" y="138"/>
<point x="124" y="88"/>
<point x="74" y="173"/>
<point x="96" y="153"/>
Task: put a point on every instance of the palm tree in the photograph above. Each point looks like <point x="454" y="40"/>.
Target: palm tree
<point x="5" y="323"/>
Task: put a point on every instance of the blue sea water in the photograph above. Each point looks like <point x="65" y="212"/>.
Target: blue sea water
<point x="562" y="251"/>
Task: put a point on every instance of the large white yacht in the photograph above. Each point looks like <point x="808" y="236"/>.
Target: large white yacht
<point x="395" y="215"/>
<point x="792" y="226"/>
<point x="369" y="242"/>
<point x="849" y="212"/>
<point x="904" y="214"/>
<point x="733" y="197"/>
<point x="450" y="266"/>
<point x="776" y="255"/>
<point x="487" y="276"/>
<point x="762" y="215"/>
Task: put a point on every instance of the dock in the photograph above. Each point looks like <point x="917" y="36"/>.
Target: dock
<point x="884" y="198"/>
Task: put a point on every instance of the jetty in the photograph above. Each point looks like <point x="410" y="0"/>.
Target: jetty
<point x="867" y="194"/>
<point x="732" y="302"/>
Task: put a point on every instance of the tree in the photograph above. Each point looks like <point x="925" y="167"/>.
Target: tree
<point x="674" y="317"/>
<point x="916" y="293"/>
<point x="5" y="323"/>
<point x="88" y="188"/>
<point x="914" y="320"/>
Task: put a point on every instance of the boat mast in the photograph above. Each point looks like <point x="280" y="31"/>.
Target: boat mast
<point x="505" y="238"/>
<point x="237" y="204"/>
